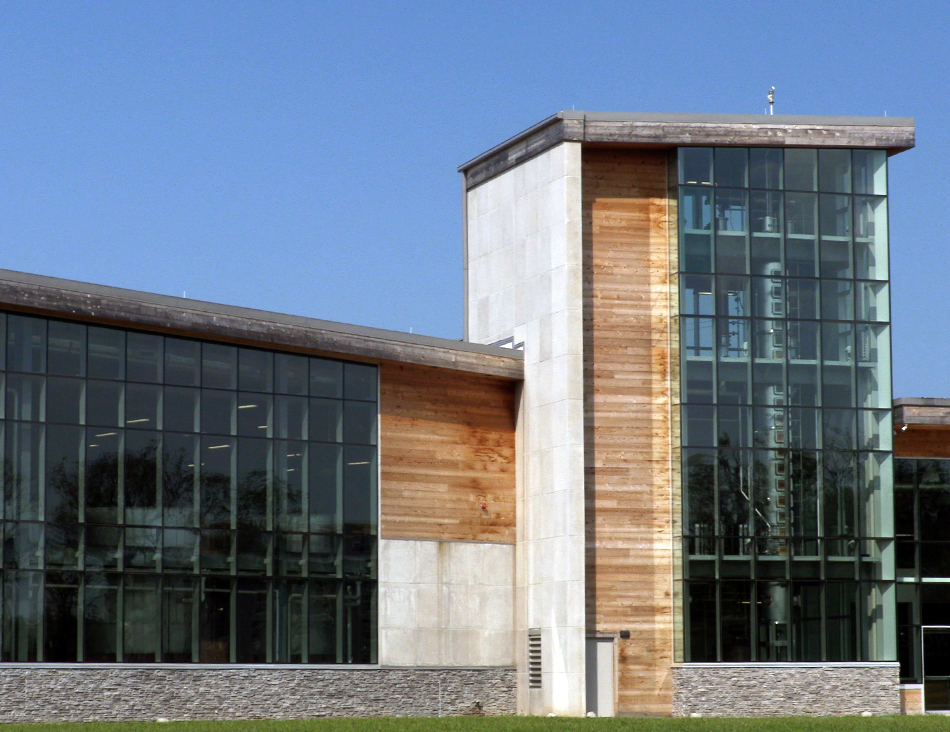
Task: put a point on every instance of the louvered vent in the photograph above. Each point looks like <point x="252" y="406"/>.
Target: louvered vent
<point x="534" y="659"/>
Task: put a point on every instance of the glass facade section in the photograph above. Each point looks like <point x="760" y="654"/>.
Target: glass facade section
<point x="181" y="501"/>
<point x="789" y="551"/>
<point x="921" y="512"/>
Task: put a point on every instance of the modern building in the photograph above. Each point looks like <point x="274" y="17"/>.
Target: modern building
<point x="656" y="477"/>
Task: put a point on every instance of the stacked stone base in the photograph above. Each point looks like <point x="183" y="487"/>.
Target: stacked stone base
<point x="46" y="693"/>
<point x="786" y="689"/>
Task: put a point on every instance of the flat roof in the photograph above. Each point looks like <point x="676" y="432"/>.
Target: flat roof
<point x="639" y="129"/>
<point x="195" y="318"/>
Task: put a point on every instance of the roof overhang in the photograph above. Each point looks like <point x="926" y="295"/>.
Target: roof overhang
<point x="630" y="129"/>
<point x="193" y="318"/>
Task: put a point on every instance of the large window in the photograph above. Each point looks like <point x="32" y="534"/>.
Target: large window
<point x="175" y="500"/>
<point x="786" y="405"/>
<point x="921" y="517"/>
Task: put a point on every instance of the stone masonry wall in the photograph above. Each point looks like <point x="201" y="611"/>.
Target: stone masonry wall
<point x="40" y="693"/>
<point x="771" y="690"/>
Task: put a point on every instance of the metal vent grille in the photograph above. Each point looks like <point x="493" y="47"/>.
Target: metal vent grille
<point x="534" y="659"/>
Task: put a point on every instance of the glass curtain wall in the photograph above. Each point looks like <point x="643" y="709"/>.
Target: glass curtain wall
<point x="175" y="500"/>
<point x="921" y="515"/>
<point x="785" y="398"/>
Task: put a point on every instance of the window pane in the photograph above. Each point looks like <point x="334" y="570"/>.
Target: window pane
<point x="695" y="216"/>
<point x="254" y="468"/>
<point x="141" y="478"/>
<point x="252" y="625"/>
<point x="257" y="370"/>
<point x="695" y="165"/>
<point x="182" y="360"/>
<point x="870" y="238"/>
<point x="180" y="409"/>
<point x="290" y="420"/>
<point x="106" y="353"/>
<point x="217" y="473"/>
<point x="326" y="378"/>
<point x="67" y="349"/>
<point x="64" y="450"/>
<point x="870" y="171"/>
<point x="326" y="487"/>
<point x="145" y="356"/>
<point x="359" y="381"/>
<point x="26" y="344"/>
<point x="834" y="171"/>
<point x="26" y="397"/>
<point x="215" y="610"/>
<point x="60" y="608"/>
<point x="731" y="166"/>
<point x="21" y="486"/>
<point x="699" y="478"/>
<point x="179" y="620"/>
<point x="102" y="476"/>
<point x="800" y="169"/>
<point x="736" y="622"/>
<point x="291" y="373"/>
<point x="698" y="429"/>
<point x="765" y="168"/>
<point x="142" y="404"/>
<point x="218" y="412"/>
<point x="179" y="478"/>
<point x="100" y="619"/>
<point x="218" y="366"/>
<point x="254" y="414"/>
<point x="697" y="295"/>
<point x="142" y="640"/>
<point x="64" y="403"/>
<point x="104" y="403"/>
<point x="291" y="485"/>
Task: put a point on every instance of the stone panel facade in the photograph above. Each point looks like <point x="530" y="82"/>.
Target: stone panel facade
<point x="787" y="689"/>
<point x="45" y="693"/>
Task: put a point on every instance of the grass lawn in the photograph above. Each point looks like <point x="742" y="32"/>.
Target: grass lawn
<point x="515" y="724"/>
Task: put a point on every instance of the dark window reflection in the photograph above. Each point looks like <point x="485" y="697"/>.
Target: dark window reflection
<point x="178" y="501"/>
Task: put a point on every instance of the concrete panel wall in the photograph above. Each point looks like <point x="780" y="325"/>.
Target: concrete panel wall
<point x="446" y="603"/>
<point x="523" y="233"/>
<point x="786" y="689"/>
<point x="87" y="693"/>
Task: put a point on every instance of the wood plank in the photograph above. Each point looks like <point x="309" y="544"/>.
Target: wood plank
<point x="626" y="332"/>
<point x="447" y="445"/>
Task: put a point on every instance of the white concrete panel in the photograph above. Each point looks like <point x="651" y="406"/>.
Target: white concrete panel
<point x="542" y="300"/>
<point x="441" y="602"/>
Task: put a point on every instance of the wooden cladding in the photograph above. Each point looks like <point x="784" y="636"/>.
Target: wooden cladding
<point x="922" y="442"/>
<point x="447" y="455"/>
<point x="627" y="418"/>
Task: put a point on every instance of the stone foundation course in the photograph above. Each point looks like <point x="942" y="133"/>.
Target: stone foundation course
<point x="45" y="693"/>
<point x="785" y="689"/>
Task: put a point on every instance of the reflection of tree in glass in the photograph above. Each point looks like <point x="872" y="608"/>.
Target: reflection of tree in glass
<point x="838" y="488"/>
<point x="102" y="481"/>
<point x="178" y="480"/>
<point x="140" y="477"/>
<point x="62" y="492"/>
<point x="252" y="501"/>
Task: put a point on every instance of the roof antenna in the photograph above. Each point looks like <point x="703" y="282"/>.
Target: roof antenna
<point x="771" y="99"/>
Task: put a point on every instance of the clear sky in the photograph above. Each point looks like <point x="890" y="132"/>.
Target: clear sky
<point x="301" y="156"/>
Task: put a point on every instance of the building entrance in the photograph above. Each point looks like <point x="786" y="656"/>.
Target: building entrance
<point x="936" y="655"/>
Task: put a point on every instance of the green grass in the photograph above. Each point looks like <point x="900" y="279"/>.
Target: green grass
<point x="516" y="724"/>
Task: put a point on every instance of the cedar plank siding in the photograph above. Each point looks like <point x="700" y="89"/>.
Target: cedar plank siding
<point x="447" y="444"/>
<point x="627" y="418"/>
<point x="922" y="442"/>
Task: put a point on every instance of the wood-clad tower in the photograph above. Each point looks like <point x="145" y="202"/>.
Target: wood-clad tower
<point x="572" y="253"/>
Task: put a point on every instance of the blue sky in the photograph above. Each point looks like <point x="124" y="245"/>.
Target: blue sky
<point x="301" y="156"/>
